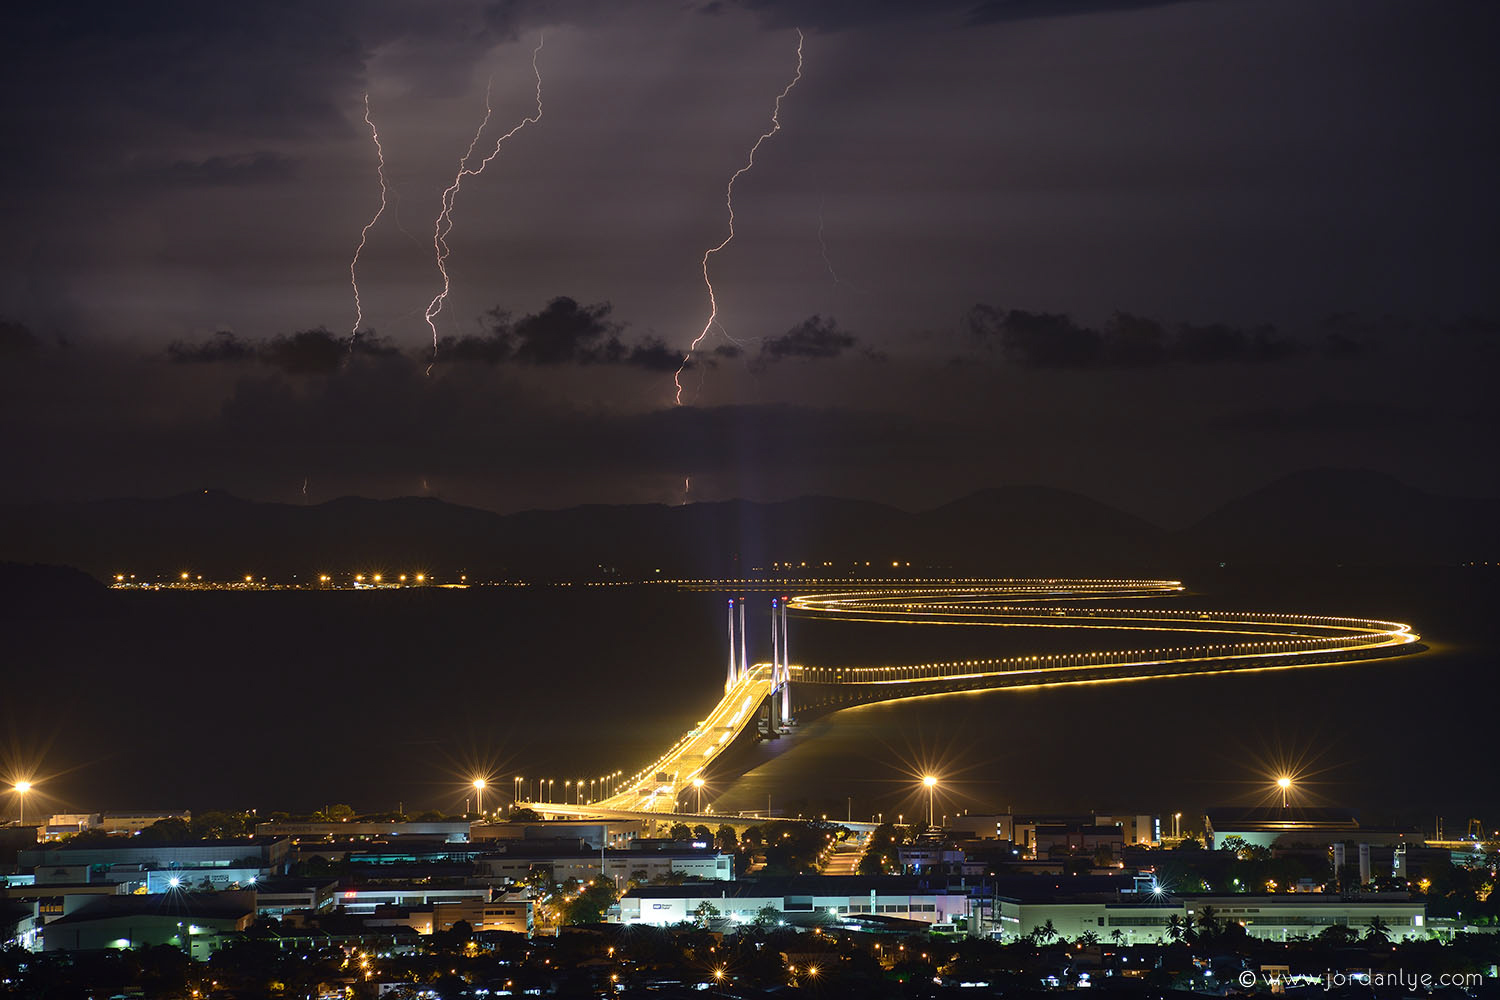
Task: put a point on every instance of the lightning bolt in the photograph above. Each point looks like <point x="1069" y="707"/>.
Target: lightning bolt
<point x="365" y="232"/>
<point x="828" y="261"/>
<point x="823" y="245"/>
<point x="713" y="303"/>
<point x="443" y="225"/>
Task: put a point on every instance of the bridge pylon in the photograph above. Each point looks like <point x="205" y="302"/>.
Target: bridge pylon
<point x="734" y="667"/>
<point x="781" y="673"/>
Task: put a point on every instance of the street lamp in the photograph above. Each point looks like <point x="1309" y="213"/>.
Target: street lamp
<point x="1285" y="784"/>
<point x="930" y="782"/>
<point x="22" y="787"/>
<point x="698" y="784"/>
<point x="479" y="784"/>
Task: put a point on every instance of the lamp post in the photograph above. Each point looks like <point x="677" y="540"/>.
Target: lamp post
<point x="1285" y="784"/>
<point x="930" y="783"/>
<point x="479" y="784"/>
<point x="22" y="787"/>
<point x="698" y="785"/>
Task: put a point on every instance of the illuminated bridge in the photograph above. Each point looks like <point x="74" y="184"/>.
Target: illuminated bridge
<point x="762" y="699"/>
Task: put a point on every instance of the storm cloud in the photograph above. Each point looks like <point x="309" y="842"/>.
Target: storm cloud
<point x="306" y="352"/>
<point x="815" y="338"/>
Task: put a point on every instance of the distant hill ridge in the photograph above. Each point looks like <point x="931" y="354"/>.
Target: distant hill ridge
<point x="1318" y="517"/>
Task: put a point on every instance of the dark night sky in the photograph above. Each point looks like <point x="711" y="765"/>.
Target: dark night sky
<point x="1292" y="201"/>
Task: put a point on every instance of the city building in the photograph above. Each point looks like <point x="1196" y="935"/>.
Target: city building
<point x="67" y="825"/>
<point x="194" y="922"/>
<point x="983" y="826"/>
<point x="1268" y="826"/>
<point x="366" y="899"/>
<point x="1145" y="918"/>
<point x="595" y="833"/>
<point x="1137" y="830"/>
<point x="263" y="853"/>
<point x="277" y="896"/>
<point x="443" y="830"/>
<point x="509" y="913"/>
<point x="803" y="899"/>
<point x="514" y="861"/>
<point x="1088" y="839"/>
<point x="131" y="823"/>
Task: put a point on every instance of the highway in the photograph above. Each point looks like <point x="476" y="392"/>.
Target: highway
<point x="1247" y="641"/>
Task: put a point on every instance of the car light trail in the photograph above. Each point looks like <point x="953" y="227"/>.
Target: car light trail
<point x="1256" y="642"/>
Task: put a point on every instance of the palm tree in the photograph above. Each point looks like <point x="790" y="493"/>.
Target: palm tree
<point x="1174" y="928"/>
<point x="1117" y="936"/>
<point x="1088" y="939"/>
<point x="1378" y="930"/>
<point x="1046" y="932"/>
<point x="1208" y="922"/>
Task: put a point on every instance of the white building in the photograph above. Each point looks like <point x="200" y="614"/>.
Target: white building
<point x="519" y="860"/>
<point x="808" y="899"/>
<point x="1277" y="917"/>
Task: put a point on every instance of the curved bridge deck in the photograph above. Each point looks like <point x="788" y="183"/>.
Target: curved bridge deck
<point x="1249" y="641"/>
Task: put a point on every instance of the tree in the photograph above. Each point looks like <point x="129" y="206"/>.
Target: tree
<point x="706" y="913"/>
<point x="680" y="831"/>
<point x="1338" y="934"/>
<point x="591" y="903"/>
<point x="1378" y="930"/>
<point x="1234" y="844"/>
<point x="221" y="826"/>
<point x="767" y="916"/>
<point x="166" y="830"/>
<point x="703" y="833"/>
<point x="340" y="812"/>
<point x="1117" y="936"/>
<point x="726" y="839"/>
<point x="1174" y="928"/>
<point x="1088" y="939"/>
<point x="1208" y="922"/>
<point x="525" y="816"/>
<point x="1046" y="932"/>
